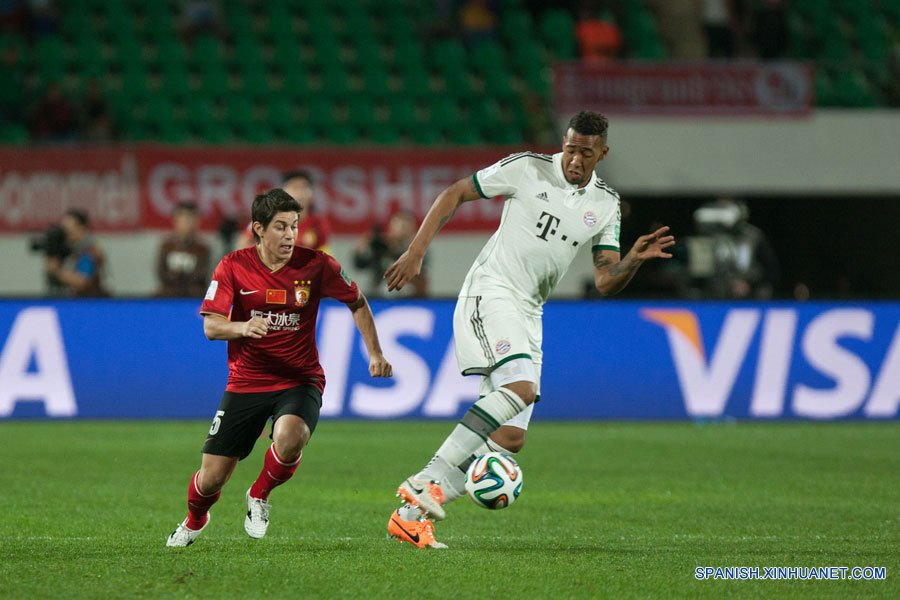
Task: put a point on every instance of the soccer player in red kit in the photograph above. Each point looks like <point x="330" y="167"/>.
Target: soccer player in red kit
<point x="264" y="300"/>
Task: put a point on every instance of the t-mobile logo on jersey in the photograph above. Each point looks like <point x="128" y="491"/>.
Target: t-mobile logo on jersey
<point x="547" y="224"/>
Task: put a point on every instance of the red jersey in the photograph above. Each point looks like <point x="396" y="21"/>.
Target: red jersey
<point x="243" y="287"/>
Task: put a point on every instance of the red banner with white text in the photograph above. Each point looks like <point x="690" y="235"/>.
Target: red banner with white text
<point x="128" y="188"/>
<point x="727" y="88"/>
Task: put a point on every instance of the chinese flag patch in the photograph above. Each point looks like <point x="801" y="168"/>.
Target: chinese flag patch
<point x="276" y="296"/>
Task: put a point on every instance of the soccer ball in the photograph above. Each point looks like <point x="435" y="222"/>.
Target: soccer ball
<point x="494" y="480"/>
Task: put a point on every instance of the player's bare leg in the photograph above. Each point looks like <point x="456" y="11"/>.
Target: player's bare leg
<point x="203" y="491"/>
<point x="290" y="434"/>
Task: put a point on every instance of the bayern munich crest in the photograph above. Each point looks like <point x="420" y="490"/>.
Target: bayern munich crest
<point x="590" y="219"/>
<point x="502" y="347"/>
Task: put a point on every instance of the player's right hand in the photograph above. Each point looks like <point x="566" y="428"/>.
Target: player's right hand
<point x="403" y="270"/>
<point x="256" y="328"/>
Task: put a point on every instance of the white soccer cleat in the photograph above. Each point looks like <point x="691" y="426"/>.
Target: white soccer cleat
<point x="425" y="494"/>
<point x="257" y="520"/>
<point x="182" y="536"/>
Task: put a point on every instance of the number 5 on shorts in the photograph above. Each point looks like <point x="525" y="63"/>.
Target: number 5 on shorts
<point x="217" y="422"/>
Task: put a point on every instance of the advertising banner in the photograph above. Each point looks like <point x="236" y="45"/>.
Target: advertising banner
<point x="138" y="187"/>
<point x="602" y="360"/>
<point x="728" y="89"/>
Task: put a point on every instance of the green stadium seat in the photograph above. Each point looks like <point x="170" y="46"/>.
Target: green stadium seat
<point x="342" y="135"/>
<point x="295" y="80"/>
<point x="558" y="32"/>
<point x="444" y="114"/>
<point x="402" y="114"/>
<point x="200" y="111"/>
<point x="361" y="111"/>
<point x="415" y="83"/>
<point x="216" y="133"/>
<point x="851" y="88"/>
<point x="50" y="55"/>
<point x="319" y="113"/>
<point x="172" y="133"/>
<point x="874" y="39"/>
<point x="159" y="110"/>
<point x="134" y="81"/>
<point x="891" y="10"/>
<point x="89" y="55"/>
<point x="255" y="83"/>
<point x="448" y="55"/>
<point x="508" y="136"/>
<point x="516" y="26"/>
<point x="176" y="81"/>
<point x="465" y="135"/>
<point x="169" y="53"/>
<point x="13" y="133"/>
<point x="257" y="133"/>
<point x="128" y="52"/>
<point x="487" y="56"/>
<point x="207" y="51"/>
<point x="280" y="112"/>
<point x="527" y="56"/>
<point x="248" y="54"/>
<point x="335" y="83"/>
<point x="239" y="111"/>
<point x="215" y="81"/>
<point x="427" y="136"/>
<point x="300" y="134"/>
<point x="383" y="134"/>
<point x="376" y="80"/>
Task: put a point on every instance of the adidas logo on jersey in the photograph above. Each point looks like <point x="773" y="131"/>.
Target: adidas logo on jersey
<point x="542" y="196"/>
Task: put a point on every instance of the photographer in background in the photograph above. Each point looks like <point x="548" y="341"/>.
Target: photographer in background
<point x="80" y="271"/>
<point x="183" y="262"/>
<point x="730" y="258"/>
<point x="377" y="250"/>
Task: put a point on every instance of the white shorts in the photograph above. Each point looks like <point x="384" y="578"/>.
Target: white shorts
<point x="489" y="332"/>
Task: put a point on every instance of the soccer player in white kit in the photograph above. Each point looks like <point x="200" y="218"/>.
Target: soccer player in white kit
<point x="554" y="205"/>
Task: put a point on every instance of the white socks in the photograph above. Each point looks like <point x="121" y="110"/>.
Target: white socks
<point x="480" y="421"/>
<point x="453" y="478"/>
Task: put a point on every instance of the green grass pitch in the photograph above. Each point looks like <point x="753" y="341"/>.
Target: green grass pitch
<point x="608" y="510"/>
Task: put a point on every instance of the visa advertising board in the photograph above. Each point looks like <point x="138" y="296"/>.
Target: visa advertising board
<point x="602" y="360"/>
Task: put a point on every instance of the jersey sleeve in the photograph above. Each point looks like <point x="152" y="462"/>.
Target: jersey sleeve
<point x="608" y="237"/>
<point x="220" y="294"/>
<point x="336" y="283"/>
<point x="501" y="178"/>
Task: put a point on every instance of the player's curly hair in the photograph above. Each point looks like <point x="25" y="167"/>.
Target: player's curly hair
<point x="267" y="205"/>
<point x="588" y="122"/>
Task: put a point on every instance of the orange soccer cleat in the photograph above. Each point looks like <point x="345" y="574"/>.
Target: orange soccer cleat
<point x="425" y="494"/>
<point x="419" y="533"/>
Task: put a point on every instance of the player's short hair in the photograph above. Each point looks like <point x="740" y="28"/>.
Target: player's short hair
<point x="268" y="204"/>
<point x="186" y="206"/>
<point x="588" y="122"/>
<point x="296" y="173"/>
<point x="79" y="215"/>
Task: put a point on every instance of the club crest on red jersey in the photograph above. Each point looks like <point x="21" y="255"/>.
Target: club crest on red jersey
<point x="301" y="292"/>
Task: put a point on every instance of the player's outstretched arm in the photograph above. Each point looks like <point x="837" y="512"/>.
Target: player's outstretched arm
<point x="611" y="275"/>
<point x="362" y="315"/>
<point x="409" y="264"/>
<point x="217" y="327"/>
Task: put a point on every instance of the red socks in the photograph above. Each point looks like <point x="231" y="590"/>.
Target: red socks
<point x="275" y="471"/>
<point x="198" y="504"/>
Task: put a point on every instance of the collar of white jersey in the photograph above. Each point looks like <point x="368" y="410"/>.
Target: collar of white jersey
<point x="561" y="178"/>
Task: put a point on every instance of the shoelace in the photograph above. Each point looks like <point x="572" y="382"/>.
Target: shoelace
<point x="263" y="507"/>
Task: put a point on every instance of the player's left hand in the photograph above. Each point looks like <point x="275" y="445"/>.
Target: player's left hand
<point x="379" y="366"/>
<point x="652" y="245"/>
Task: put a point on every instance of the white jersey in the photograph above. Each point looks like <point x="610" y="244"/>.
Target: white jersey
<point x="545" y="221"/>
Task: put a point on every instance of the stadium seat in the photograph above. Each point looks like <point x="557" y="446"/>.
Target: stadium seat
<point x="383" y="134"/>
<point x="516" y="26"/>
<point x="558" y="32"/>
<point x="200" y="111"/>
<point x="13" y="133"/>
